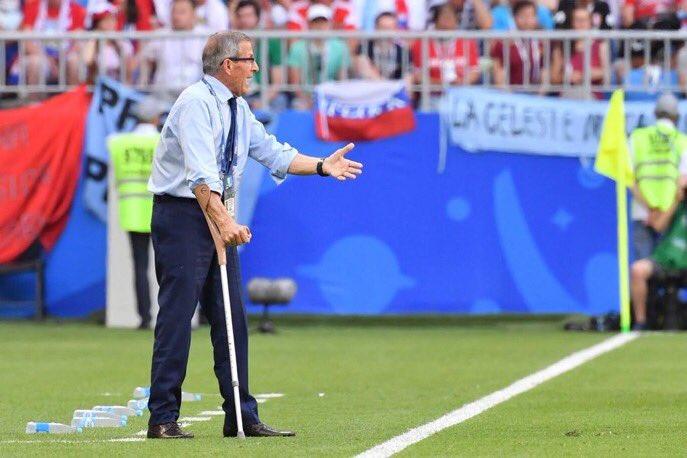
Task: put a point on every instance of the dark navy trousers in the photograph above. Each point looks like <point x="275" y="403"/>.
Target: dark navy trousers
<point x="187" y="272"/>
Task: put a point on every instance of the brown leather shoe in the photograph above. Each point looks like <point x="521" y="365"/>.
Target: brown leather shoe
<point x="259" y="430"/>
<point x="170" y="430"/>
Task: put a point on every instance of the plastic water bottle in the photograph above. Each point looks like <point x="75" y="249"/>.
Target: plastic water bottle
<point x="34" y="427"/>
<point x="98" y="420"/>
<point x="117" y="410"/>
<point x="139" y="405"/>
<point x="98" y="413"/>
<point x="185" y="397"/>
<point x="141" y="392"/>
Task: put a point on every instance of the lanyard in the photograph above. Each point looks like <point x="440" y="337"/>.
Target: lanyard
<point x="226" y="169"/>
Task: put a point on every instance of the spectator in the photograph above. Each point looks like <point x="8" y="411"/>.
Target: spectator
<point x="600" y="11"/>
<point x="524" y="55"/>
<point x="136" y="15"/>
<point x="572" y="71"/>
<point x="210" y="14"/>
<point x="644" y="80"/>
<point x="10" y="15"/>
<point x="115" y="55"/>
<point x="410" y="14"/>
<point x="504" y="16"/>
<point x="10" y="20"/>
<point x="176" y="63"/>
<point x="42" y="59"/>
<point x="274" y="14"/>
<point x="246" y="17"/>
<point x="131" y="14"/>
<point x="313" y="62"/>
<point x="644" y="11"/>
<point x="342" y="16"/>
<point x="472" y="14"/>
<point x="383" y="58"/>
<point x="451" y="61"/>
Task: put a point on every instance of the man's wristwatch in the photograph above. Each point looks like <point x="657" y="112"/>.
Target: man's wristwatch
<point x="320" y="169"/>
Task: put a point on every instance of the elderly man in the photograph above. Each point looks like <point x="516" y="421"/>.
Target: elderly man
<point x="209" y="134"/>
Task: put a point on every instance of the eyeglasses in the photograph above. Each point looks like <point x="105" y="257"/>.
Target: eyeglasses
<point x="242" y="59"/>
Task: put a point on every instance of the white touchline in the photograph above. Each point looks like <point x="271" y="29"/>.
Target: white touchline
<point x="269" y="395"/>
<point x="192" y="419"/>
<point x="398" y="443"/>
<point x="76" y="441"/>
<point x="212" y="413"/>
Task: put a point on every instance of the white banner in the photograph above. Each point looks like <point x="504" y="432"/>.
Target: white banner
<point x="478" y="119"/>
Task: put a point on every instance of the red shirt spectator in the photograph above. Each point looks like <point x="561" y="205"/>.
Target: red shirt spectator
<point x="145" y="18"/>
<point x="343" y="17"/>
<point x="449" y="61"/>
<point x="523" y="54"/>
<point x="53" y="16"/>
<point x="650" y="8"/>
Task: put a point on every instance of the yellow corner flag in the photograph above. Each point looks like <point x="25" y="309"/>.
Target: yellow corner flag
<point x="613" y="156"/>
<point x="613" y="161"/>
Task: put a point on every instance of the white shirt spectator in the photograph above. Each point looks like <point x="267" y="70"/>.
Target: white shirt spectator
<point x="178" y="61"/>
<point x="10" y="15"/>
<point x="212" y="14"/>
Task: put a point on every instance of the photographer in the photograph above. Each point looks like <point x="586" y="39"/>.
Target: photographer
<point x="669" y="255"/>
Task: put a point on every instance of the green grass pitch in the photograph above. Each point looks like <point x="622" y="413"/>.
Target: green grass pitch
<point x="378" y="380"/>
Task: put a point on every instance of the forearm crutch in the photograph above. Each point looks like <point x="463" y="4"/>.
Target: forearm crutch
<point x="203" y="194"/>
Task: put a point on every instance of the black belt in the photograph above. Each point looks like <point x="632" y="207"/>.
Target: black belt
<point x="168" y="198"/>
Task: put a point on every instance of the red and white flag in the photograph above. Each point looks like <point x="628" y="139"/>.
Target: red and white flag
<point x="362" y="110"/>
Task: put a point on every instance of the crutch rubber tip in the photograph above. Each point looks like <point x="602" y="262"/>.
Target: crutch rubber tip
<point x="241" y="435"/>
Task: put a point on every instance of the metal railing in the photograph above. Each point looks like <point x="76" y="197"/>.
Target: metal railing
<point x="572" y="63"/>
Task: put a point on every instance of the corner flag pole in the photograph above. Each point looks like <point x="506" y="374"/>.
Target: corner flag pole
<point x="613" y="161"/>
<point x="623" y="257"/>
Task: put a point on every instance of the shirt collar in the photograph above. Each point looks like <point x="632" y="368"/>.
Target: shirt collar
<point x="665" y="122"/>
<point x="223" y="92"/>
<point x="145" y="128"/>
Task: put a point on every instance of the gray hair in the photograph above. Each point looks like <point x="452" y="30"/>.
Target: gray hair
<point x="667" y="106"/>
<point x="220" y="46"/>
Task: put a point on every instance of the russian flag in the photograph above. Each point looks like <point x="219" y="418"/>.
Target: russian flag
<point x="362" y="110"/>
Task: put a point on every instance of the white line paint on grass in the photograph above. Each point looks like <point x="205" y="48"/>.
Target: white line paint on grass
<point x="269" y="395"/>
<point x="212" y="413"/>
<point x="398" y="443"/>
<point x="67" y="441"/>
<point x="192" y="419"/>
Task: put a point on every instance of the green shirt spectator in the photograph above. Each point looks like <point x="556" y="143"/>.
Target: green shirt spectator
<point x="273" y="56"/>
<point x="316" y="64"/>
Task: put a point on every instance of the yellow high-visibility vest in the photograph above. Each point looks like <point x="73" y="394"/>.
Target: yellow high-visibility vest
<point x="132" y="157"/>
<point x="657" y="152"/>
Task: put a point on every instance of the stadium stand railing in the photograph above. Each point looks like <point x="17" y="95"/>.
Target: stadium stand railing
<point x="641" y="62"/>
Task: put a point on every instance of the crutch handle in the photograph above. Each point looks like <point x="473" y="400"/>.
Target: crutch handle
<point x="204" y="196"/>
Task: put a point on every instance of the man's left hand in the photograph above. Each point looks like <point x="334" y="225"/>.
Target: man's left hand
<point x="341" y="168"/>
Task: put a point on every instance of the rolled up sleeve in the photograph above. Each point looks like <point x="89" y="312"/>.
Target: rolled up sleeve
<point x="198" y="146"/>
<point x="265" y="149"/>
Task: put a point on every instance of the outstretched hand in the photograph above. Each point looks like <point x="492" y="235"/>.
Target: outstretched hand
<point x="341" y="168"/>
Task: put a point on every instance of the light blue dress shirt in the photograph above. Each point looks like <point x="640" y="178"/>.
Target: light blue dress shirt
<point x="188" y="153"/>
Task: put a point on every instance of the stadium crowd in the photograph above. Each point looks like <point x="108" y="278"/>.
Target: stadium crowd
<point x="303" y="63"/>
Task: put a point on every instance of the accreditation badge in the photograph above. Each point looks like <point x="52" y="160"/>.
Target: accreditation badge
<point x="230" y="195"/>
